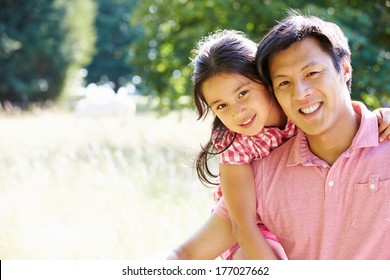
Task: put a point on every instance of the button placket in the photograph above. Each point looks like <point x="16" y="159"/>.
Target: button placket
<point x="373" y="182"/>
<point x="331" y="191"/>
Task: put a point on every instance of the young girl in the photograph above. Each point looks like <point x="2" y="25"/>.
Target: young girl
<point x="248" y="124"/>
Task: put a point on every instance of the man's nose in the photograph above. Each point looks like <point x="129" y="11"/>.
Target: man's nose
<point x="302" y="90"/>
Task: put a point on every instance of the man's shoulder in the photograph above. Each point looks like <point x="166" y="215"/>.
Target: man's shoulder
<point x="384" y="146"/>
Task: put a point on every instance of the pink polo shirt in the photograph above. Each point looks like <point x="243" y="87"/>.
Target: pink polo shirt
<point x="322" y="212"/>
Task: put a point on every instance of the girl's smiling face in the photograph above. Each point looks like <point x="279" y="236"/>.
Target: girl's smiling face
<point x="243" y="105"/>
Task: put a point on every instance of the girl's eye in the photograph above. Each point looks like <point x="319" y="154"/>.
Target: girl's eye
<point x="221" y="106"/>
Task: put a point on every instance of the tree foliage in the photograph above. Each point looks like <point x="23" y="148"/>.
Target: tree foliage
<point x="42" y="44"/>
<point x="111" y="61"/>
<point x="172" y="28"/>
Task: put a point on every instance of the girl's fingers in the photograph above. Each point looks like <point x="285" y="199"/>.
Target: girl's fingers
<point x="383" y="116"/>
<point x="384" y="133"/>
<point x="383" y="126"/>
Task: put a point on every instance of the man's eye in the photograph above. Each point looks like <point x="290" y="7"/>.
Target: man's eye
<point x="243" y="93"/>
<point x="311" y="74"/>
<point x="283" y="84"/>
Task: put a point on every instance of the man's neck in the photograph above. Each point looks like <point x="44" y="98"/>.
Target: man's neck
<point x="330" y="145"/>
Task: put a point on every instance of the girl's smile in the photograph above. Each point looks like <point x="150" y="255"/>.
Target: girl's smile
<point x="249" y="122"/>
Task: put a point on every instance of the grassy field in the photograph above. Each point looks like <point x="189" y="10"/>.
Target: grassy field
<point x="82" y="188"/>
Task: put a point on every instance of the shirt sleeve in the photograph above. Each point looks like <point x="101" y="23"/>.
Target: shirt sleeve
<point x="232" y="148"/>
<point x="221" y="210"/>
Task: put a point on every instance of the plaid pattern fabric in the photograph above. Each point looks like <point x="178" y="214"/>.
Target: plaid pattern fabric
<point x="245" y="148"/>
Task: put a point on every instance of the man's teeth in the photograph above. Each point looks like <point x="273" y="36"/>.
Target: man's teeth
<point x="310" y="109"/>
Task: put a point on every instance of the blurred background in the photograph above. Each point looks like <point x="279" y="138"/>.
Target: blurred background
<point x="98" y="128"/>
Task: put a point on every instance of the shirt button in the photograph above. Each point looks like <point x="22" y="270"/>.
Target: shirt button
<point x="372" y="186"/>
<point x="330" y="183"/>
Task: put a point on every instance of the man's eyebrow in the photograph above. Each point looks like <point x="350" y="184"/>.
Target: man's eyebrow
<point x="309" y="64"/>
<point x="303" y="68"/>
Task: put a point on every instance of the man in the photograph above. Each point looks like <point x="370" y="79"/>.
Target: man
<point x="325" y="194"/>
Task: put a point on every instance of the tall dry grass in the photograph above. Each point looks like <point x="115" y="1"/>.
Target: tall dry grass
<point x="81" y="188"/>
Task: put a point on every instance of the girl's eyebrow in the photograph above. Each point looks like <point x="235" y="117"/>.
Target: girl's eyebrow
<point x="241" y="86"/>
<point x="214" y="102"/>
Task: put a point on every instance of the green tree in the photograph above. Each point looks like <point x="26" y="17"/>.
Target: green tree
<point x="111" y="62"/>
<point x="172" y="28"/>
<point x="42" y="45"/>
<point x="368" y="30"/>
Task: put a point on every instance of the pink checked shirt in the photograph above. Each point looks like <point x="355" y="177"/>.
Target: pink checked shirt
<point x="245" y="148"/>
<point x="318" y="211"/>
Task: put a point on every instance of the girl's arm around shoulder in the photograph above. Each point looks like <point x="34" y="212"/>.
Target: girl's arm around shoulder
<point x="383" y="115"/>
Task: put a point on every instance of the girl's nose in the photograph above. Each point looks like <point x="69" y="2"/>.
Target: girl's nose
<point x="239" y="110"/>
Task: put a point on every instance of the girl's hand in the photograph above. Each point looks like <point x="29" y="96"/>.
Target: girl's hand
<point x="383" y="115"/>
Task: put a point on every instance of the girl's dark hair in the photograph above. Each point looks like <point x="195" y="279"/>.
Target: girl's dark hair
<point x="224" y="51"/>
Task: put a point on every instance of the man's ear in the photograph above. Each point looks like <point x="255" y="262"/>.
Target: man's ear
<point x="346" y="69"/>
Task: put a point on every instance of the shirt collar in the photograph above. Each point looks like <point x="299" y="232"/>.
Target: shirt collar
<point x="366" y="136"/>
